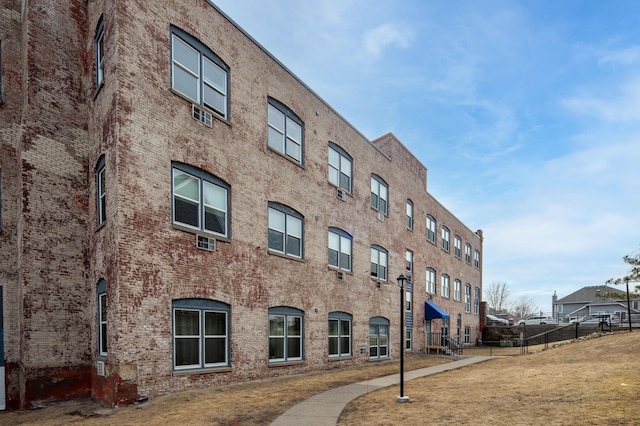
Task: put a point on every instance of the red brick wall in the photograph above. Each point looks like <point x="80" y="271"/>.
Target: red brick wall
<point x="57" y="253"/>
<point x="45" y="194"/>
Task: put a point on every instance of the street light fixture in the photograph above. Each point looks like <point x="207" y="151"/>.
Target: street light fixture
<point x="402" y="398"/>
<point x="628" y="304"/>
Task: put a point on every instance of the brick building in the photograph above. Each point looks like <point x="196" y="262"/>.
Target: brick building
<point x="180" y="210"/>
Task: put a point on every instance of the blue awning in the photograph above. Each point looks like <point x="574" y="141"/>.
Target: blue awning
<point x="432" y="311"/>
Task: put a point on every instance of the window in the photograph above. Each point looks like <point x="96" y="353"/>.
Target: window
<point x="431" y="229"/>
<point x="198" y="73"/>
<point x="339" y="249"/>
<point x="457" y="247"/>
<point x="200" y="200"/>
<point x="339" y="334"/>
<point x="407" y="339"/>
<point x="285" y="334"/>
<point x="476" y="259"/>
<point x="467" y="298"/>
<point x="285" y="230"/>
<point x="0" y="71"/>
<point x="409" y="286"/>
<point x="467" y="335"/>
<point x="102" y="318"/>
<point x="476" y="300"/>
<point x="445" y="238"/>
<point x="467" y="253"/>
<point x="285" y="131"/>
<point x="379" y="194"/>
<point x="99" y="52"/>
<point x="409" y="214"/>
<point x="431" y="281"/>
<point x="378" y="262"/>
<point x="200" y="334"/>
<point x="378" y="338"/>
<point x="101" y="211"/>
<point x="340" y="167"/>
<point x="457" y="289"/>
<point x="445" y="291"/>
<point x="409" y="266"/>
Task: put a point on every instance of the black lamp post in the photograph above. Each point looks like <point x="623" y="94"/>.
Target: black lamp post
<point x="402" y="398"/>
<point x="628" y="303"/>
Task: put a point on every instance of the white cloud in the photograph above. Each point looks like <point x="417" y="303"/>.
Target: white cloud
<point x="621" y="107"/>
<point x="627" y="56"/>
<point x="384" y="36"/>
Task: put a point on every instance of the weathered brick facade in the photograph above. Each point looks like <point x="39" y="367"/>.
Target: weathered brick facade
<point x="56" y="126"/>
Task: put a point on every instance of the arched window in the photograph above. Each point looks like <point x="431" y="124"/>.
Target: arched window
<point x="340" y="334"/>
<point x="201" y="334"/>
<point x="378" y="338"/>
<point x="286" y="230"/>
<point x="339" y="249"/>
<point x="200" y="200"/>
<point x="286" y="334"/>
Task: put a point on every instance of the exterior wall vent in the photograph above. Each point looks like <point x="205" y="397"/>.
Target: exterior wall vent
<point x="381" y="216"/>
<point x="201" y="115"/>
<point x="205" y="243"/>
<point x="341" y="194"/>
<point x="340" y="275"/>
<point x="100" y="368"/>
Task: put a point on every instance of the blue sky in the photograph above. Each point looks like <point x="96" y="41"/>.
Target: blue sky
<point x="526" y="114"/>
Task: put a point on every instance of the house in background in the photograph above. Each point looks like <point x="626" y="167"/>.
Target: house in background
<point x="592" y="300"/>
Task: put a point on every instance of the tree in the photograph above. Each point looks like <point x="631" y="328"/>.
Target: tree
<point x="497" y="296"/>
<point x="633" y="275"/>
<point x="524" y="307"/>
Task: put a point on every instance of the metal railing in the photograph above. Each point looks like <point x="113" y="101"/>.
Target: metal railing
<point x="443" y="343"/>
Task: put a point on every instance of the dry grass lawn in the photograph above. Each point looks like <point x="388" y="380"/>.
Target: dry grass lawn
<point x="594" y="382"/>
<point x="591" y="382"/>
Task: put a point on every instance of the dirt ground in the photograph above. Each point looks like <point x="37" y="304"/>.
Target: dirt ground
<point x="595" y="382"/>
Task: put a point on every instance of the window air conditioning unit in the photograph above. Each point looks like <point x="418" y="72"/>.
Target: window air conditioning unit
<point x="381" y="216"/>
<point x="205" y="243"/>
<point x="100" y="368"/>
<point x="201" y="115"/>
<point x="341" y="194"/>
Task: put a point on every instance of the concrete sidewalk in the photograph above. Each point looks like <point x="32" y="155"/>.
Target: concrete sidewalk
<point x="325" y="408"/>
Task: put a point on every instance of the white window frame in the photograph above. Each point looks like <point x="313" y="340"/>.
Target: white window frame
<point x="467" y="298"/>
<point x="102" y="312"/>
<point x="204" y="181"/>
<point x="476" y="300"/>
<point x="379" y="259"/>
<point x="340" y="243"/>
<point x="341" y="338"/>
<point x="457" y="289"/>
<point x="379" y="335"/>
<point x="467" y="253"/>
<point x="476" y="259"/>
<point x="446" y="235"/>
<point x="292" y="229"/>
<point x="340" y="168"/>
<point x="467" y="335"/>
<point x="409" y="215"/>
<point x="379" y="194"/>
<point x="202" y="307"/>
<point x="457" y="246"/>
<point x="431" y="285"/>
<point x="288" y="340"/>
<point x="445" y="289"/>
<point x="101" y="192"/>
<point x="205" y="82"/>
<point x="99" y="52"/>
<point x="432" y="226"/>
<point x="282" y="134"/>
<point x="408" y="339"/>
